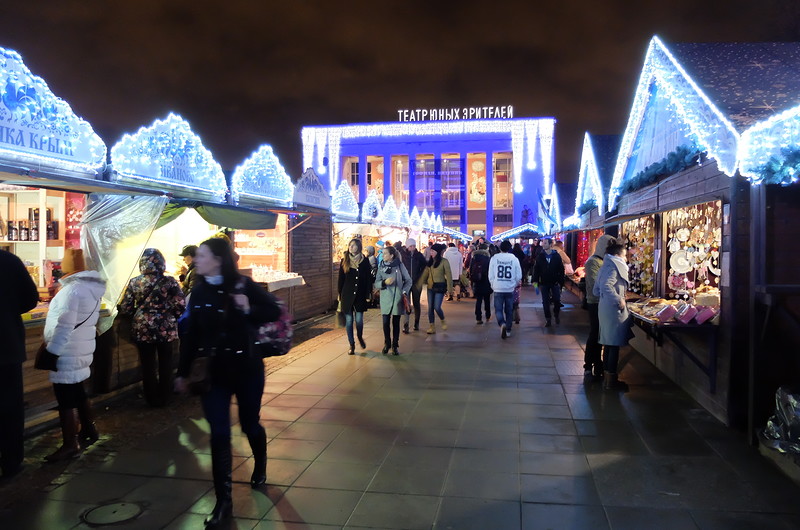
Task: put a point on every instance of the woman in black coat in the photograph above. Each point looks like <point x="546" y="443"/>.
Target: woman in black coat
<point x="225" y="309"/>
<point x="355" y="284"/>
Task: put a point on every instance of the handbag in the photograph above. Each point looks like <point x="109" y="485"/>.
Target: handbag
<point x="340" y="320"/>
<point x="199" y="379"/>
<point x="439" y="287"/>
<point x="407" y="304"/>
<point x="46" y="360"/>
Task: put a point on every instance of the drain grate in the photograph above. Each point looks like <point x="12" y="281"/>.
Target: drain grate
<point x="108" y="514"/>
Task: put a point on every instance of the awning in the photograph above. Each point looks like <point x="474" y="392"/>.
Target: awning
<point x="67" y="182"/>
<point x="223" y="215"/>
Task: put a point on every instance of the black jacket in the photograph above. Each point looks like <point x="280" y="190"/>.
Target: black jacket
<point x="18" y="294"/>
<point x="355" y="287"/>
<point x="215" y="323"/>
<point x="548" y="273"/>
<point x="415" y="264"/>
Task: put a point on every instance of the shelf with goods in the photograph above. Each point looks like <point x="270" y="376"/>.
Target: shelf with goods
<point x="36" y="239"/>
<point x="264" y="255"/>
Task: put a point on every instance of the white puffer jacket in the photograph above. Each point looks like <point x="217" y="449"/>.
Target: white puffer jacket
<point x="77" y="300"/>
<point x="456" y="261"/>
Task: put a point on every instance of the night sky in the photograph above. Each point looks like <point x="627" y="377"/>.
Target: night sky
<point x="247" y="72"/>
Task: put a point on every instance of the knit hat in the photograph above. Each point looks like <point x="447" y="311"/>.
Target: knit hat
<point x="73" y="261"/>
<point x="410" y="242"/>
<point x="602" y="243"/>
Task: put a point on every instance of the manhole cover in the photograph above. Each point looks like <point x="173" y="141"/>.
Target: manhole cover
<point x="109" y="514"/>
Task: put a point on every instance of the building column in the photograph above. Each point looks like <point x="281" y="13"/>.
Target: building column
<point x="464" y="193"/>
<point x="362" y="178"/>
<point x="437" y="185"/>
<point x="489" y="195"/>
<point x="412" y="182"/>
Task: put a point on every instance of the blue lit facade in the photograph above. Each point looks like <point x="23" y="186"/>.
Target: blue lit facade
<point x="487" y="175"/>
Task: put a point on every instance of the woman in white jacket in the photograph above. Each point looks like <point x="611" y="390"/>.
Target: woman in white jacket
<point x="615" y="320"/>
<point x="69" y="333"/>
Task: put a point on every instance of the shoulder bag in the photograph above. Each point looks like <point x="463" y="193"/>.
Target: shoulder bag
<point x="46" y="360"/>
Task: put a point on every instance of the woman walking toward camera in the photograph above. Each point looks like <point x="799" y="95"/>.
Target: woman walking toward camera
<point x="225" y="309"/>
<point x="393" y="282"/>
<point x="355" y="286"/>
<point x="439" y="279"/>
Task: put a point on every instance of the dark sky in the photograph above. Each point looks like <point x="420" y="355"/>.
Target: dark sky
<point x="251" y="72"/>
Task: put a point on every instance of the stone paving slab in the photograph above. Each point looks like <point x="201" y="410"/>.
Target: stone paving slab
<point x="462" y="430"/>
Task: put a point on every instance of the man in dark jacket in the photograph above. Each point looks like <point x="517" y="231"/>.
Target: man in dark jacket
<point x="18" y="294"/>
<point x="415" y="264"/>
<point x="481" y="286"/>
<point x="548" y="275"/>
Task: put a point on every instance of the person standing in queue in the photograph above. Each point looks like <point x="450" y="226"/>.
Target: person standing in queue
<point x="393" y="281"/>
<point x="355" y="286"/>
<point x="548" y="275"/>
<point x="225" y="309"/>
<point x="439" y="280"/>
<point x="69" y="332"/>
<point x="18" y="295"/>
<point x="154" y="301"/>
<point x="414" y="262"/>
<point x="612" y="311"/>
<point x="189" y="277"/>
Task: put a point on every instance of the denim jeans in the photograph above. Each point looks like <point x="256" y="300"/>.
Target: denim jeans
<point x="244" y="378"/>
<point x="504" y="309"/>
<point x="482" y="298"/>
<point x="348" y="325"/>
<point x="435" y="304"/>
<point x="550" y="294"/>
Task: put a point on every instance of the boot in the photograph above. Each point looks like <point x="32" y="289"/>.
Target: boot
<point x="88" y="433"/>
<point x="444" y="325"/>
<point x="258" y="443"/>
<point x="431" y="329"/>
<point x="221" y="471"/>
<point x="610" y="382"/>
<point x="352" y="349"/>
<point x="361" y="342"/>
<point x="71" y="448"/>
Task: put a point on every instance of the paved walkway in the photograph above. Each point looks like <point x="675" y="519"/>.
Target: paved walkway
<point x="462" y="430"/>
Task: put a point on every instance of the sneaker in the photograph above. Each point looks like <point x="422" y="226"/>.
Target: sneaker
<point x="416" y="327"/>
<point x="479" y="321"/>
<point x="503" y="332"/>
<point x="558" y="320"/>
<point x="547" y="324"/>
<point x="508" y="333"/>
<point x="444" y="325"/>
<point x="488" y="317"/>
<point x="405" y="329"/>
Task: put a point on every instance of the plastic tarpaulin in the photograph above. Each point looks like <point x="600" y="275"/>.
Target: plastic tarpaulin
<point x="115" y="230"/>
<point x="221" y="215"/>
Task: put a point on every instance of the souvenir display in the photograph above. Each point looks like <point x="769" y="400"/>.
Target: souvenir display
<point x="586" y="241"/>
<point x="263" y="250"/>
<point x="694" y="236"/>
<point x="639" y="235"/>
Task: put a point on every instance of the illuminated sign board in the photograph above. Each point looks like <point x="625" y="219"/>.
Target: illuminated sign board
<point x="503" y="112"/>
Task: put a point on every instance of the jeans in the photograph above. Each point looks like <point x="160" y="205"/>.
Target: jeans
<point x="12" y="417"/>
<point x="504" y="309"/>
<point x="157" y="369"/>
<point x="482" y="298"/>
<point x="416" y="301"/>
<point x="593" y="348"/>
<point x="435" y="304"/>
<point x="551" y="294"/>
<point x="611" y="354"/>
<point x="348" y="325"/>
<point x="243" y="377"/>
<point x="394" y="340"/>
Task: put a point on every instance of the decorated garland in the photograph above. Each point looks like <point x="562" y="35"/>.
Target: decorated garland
<point x="681" y="158"/>
<point x="587" y="206"/>
<point x="781" y="170"/>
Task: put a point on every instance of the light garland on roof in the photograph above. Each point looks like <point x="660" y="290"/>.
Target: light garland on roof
<point x="39" y="129"/>
<point x="546" y="132"/>
<point x="343" y="204"/>
<point x="531" y="132"/>
<point x="714" y="132"/>
<point x="766" y="140"/>
<point x="415" y="220"/>
<point x="262" y="177"/>
<point x="426" y="220"/>
<point x="589" y="178"/>
<point x="527" y="227"/>
<point x="168" y="154"/>
<point x="371" y="209"/>
<point x="405" y="219"/>
<point x="456" y="234"/>
<point x="555" y="207"/>
<point x="389" y="214"/>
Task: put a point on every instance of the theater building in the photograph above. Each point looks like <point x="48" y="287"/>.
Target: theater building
<point x="489" y="172"/>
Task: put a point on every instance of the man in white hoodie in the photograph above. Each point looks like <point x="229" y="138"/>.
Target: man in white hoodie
<point x="505" y="273"/>
<point x="456" y="260"/>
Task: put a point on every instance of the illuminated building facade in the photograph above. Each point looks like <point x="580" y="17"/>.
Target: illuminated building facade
<point x="479" y="174"/>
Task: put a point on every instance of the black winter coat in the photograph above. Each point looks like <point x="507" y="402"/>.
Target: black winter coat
<point x="216" y="323"/>
<point x="18" y="294"/>
<point x="548" y="273"/>
<point x="415" y="264"/>
<point x="355" y="287"/>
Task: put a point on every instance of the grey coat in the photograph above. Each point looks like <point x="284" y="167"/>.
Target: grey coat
<point x="392" y="295"/>
<point x="611" y="286"/>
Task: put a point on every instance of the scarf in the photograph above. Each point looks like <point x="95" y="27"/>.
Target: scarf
<point x="214" y="280"/>
<point x="355" y="260"/>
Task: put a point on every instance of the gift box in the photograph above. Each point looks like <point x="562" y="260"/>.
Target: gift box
<point x="667" y="313"/>
<point x="704" y="313"/>
<point x="686" y="316"/>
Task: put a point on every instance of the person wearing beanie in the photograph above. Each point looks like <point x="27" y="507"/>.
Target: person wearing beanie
<point x="69" y="333"/>
<point x="414" y="262"/>
<point x="592" y="361"/>
<point x="18" y="295"/>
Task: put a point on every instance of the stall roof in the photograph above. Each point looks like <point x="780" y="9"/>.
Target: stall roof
<point x="67" y="181"/>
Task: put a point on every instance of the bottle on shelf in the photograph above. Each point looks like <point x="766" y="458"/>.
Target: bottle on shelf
<point x="13" y="231"/>
<point x="24" y="234"/>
